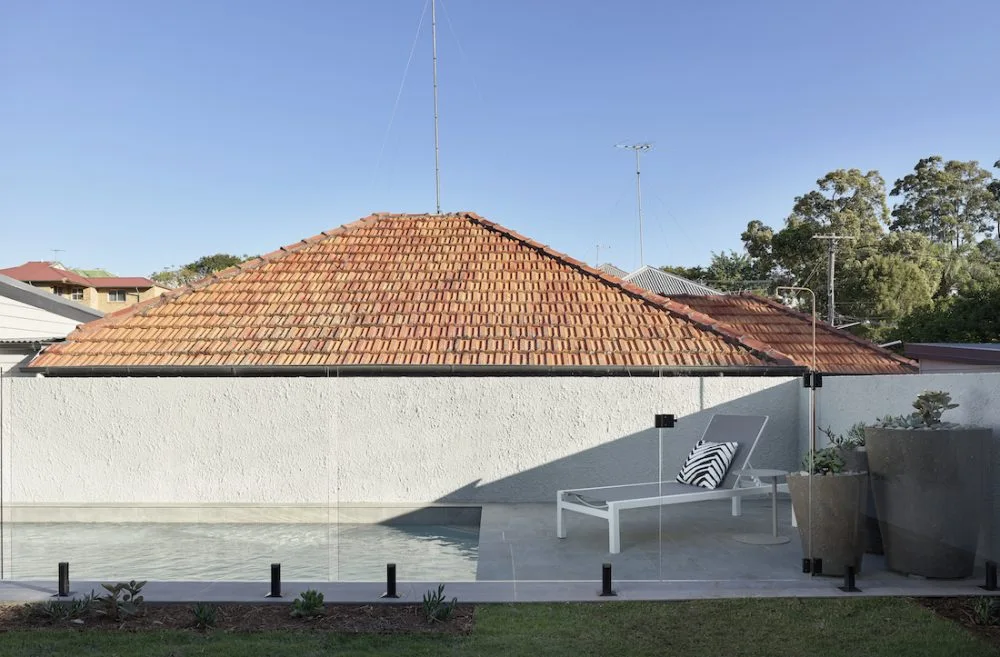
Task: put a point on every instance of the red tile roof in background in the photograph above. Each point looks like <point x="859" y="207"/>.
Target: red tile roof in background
<point x="450" y="289"/>
<point x="44" y="272"/>
<point x="121" y="281"/>
<point x="837" y="351"/>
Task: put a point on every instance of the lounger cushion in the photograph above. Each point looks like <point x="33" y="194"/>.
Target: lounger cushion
<point x="707" y="464"/>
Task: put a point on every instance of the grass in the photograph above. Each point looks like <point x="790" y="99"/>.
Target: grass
<point x="771" y="627"/>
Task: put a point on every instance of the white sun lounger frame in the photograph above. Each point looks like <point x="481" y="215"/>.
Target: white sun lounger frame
<point x="612" y="511"/>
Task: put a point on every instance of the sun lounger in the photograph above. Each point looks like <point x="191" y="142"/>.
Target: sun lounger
<point x="609" y="501"/>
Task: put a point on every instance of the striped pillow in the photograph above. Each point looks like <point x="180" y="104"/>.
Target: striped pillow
<point x="707" y="464"/>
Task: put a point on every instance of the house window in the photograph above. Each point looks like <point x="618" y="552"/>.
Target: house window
<point x="75" y="293"/>
<point x="116" y="296"/>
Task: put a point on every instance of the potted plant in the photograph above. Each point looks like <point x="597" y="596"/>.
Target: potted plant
<point x="928" y="479"/>
<point x="851" y="447"/>
<point x="828" y="502"/>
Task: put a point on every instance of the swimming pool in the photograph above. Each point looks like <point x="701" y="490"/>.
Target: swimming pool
<point x="242" y="552"/>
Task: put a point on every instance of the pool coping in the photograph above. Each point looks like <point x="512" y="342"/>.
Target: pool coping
<point x="507" y="591"/>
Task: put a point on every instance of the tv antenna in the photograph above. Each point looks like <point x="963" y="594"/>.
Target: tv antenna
<point x="597" y="261"/>
<point x="55" y="254"/>
<point x="638" y="149"/>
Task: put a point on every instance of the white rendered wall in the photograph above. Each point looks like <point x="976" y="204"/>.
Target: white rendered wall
<point x="301" y="441"/>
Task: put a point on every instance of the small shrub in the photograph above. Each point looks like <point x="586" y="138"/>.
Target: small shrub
<point x="50" y="610"/>
<point x="58" y="610"/>
<point x="308" y="605"/>
<point x="436" y="607"/>
<point x="82" y="607"/>
<point x="205" y="615"/>
<point x="984" y="611"/>
<point x="824" y="461"/>
<point x="122" y="600"/>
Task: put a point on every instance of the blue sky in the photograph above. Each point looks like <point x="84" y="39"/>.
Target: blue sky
<point x="140" y="135"/>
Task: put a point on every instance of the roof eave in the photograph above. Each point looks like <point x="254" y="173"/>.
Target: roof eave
<point x="417" y="370"/>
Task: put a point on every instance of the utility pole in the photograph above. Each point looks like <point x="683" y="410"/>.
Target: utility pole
<point x="831" y="243"/>
<point x="597" y="260"/>
<point x="437" y="160"/>
<point x="638" y="148"/>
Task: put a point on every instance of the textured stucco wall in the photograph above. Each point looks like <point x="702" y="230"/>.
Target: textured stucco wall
<point x="367" y="440"/>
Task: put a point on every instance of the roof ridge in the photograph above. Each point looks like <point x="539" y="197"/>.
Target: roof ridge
<point x="701" y="320"/>
<point x="832" y="330"/>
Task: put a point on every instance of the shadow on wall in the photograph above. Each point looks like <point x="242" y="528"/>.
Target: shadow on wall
<point x="635" y="458"/>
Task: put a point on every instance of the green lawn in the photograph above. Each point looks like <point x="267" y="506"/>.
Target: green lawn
<point x="823" y="627"/>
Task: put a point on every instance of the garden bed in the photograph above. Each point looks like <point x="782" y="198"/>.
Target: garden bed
<point x="973" y="613"/>
<point x="369" y="619"/>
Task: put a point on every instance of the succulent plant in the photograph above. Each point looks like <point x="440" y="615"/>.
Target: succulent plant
<point x="824" y="461"/>
<point x="930" y="406"/>
<point x="855" y="436"/>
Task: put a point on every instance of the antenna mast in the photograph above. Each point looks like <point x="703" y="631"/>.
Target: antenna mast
<point x="597" y="261"/>
<point x="437" y="160"/>
<point x="638" y="148"/>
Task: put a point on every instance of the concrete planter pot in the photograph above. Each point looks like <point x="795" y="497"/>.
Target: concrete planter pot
<point x="856" y="460"/>
<point x="834" y="529"/>
<point x="929" y="488"/>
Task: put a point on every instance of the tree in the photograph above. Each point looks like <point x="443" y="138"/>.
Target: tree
<point x="200" y="268"/>
<point x="995" y="190"/>
<point x="206" y="265"/>
<point x="950" y="202"/>
<point x="846" y="202"/>
<point x="975" y="318"/>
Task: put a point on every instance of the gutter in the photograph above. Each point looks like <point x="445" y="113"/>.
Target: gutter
<point x="414" y="371"/>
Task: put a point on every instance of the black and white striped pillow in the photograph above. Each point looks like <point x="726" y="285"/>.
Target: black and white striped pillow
<point x="707" y="464"/>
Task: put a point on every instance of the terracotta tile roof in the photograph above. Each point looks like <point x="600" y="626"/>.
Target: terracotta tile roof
<point x="38" y="271"/>
<point x="418" y="290"/>
<point x="837" y="351"/>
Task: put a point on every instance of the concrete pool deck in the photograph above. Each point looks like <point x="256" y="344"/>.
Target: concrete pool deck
<point x="521" y="560"/>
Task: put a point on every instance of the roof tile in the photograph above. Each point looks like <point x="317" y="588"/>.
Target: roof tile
<point x="450" y="289"/>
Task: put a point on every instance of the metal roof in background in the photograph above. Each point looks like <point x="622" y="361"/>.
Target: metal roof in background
<point x="660" y="282"/>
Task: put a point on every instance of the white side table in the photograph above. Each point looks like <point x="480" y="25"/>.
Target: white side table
<point x="772" y="538"/>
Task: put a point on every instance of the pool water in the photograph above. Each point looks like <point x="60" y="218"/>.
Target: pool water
<point x="242" y="552"/>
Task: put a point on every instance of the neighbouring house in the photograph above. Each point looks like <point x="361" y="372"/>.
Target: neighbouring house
<point x="445" y="294"/>
<point x="954" y="357"/>
<point x="609" y="268"/>
<point x="658" y="281"/>
<point x="104" y="293"/>
<point x="667" y="284"/>
<point x="791" y="333"/>
<point x="31" y="318"/>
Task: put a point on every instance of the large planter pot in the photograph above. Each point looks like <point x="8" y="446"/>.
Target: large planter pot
<point x="856" y="460"/>
<point x="929" y="488"/>
<point x="828" y="509"/>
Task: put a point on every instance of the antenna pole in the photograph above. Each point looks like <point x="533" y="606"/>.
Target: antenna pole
<point x="437" y="156"/>
<point x="597" y="261"/>
<point x="638" y="148"/>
